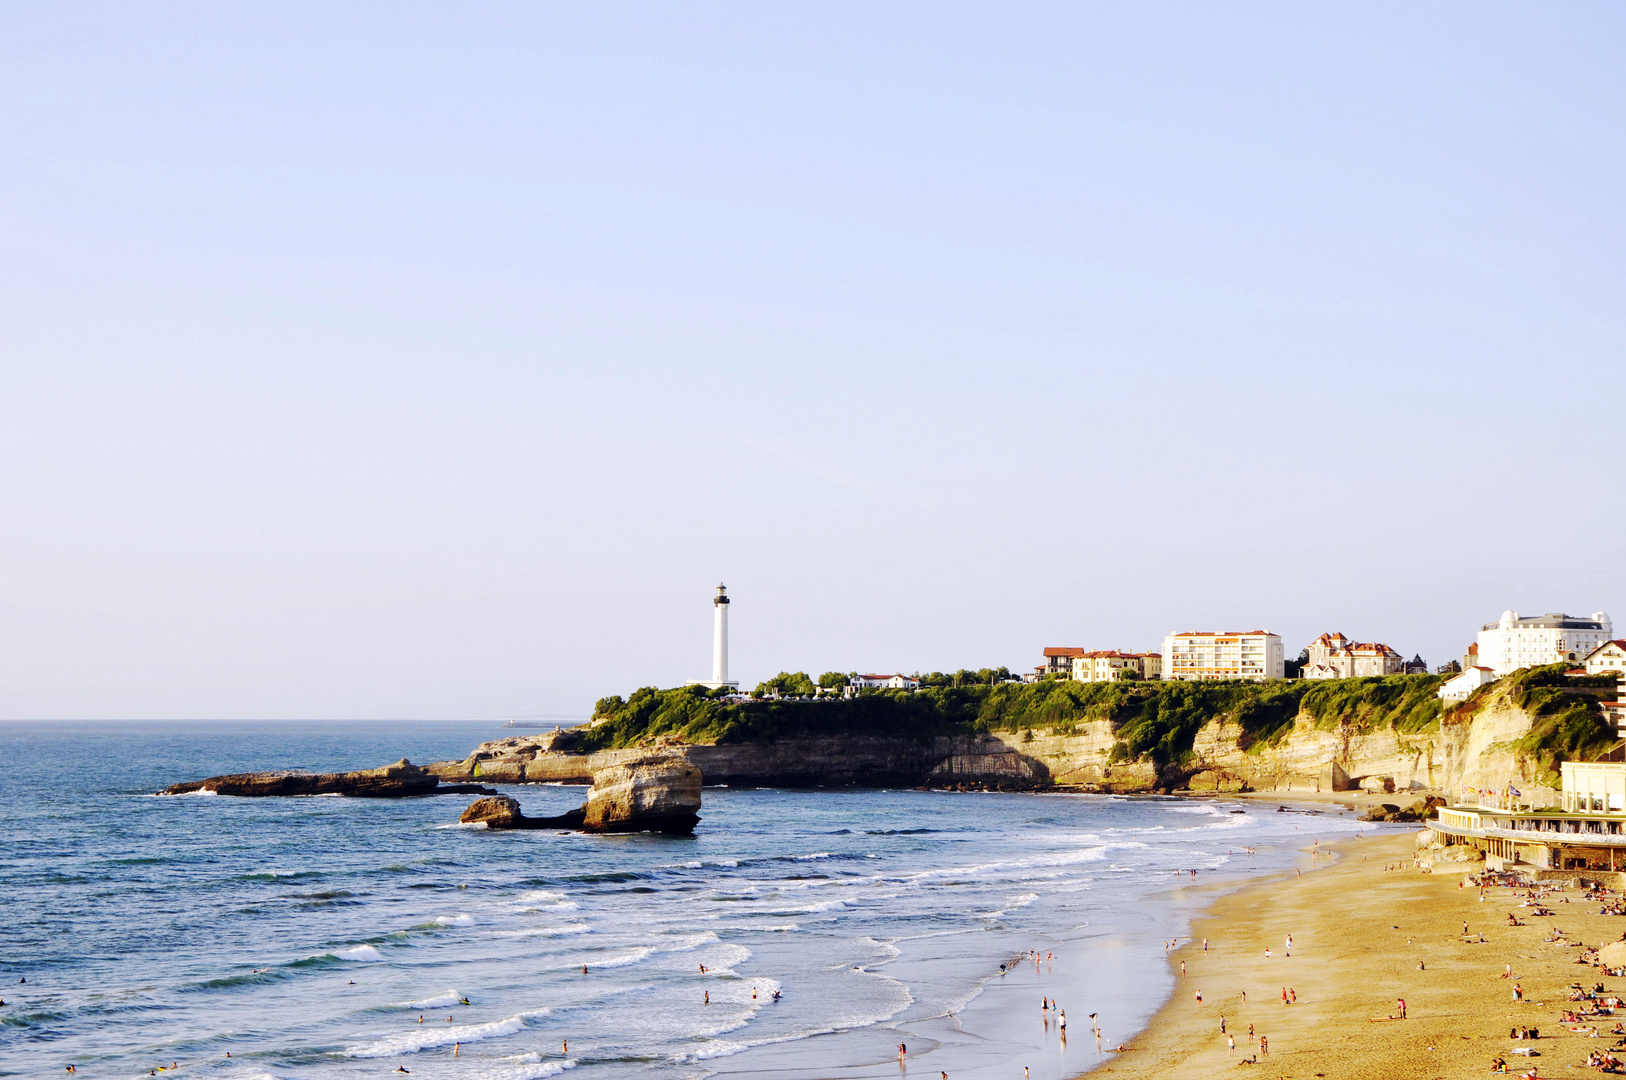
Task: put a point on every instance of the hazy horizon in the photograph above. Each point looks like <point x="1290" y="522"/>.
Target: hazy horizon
<point x="371" y="362"/>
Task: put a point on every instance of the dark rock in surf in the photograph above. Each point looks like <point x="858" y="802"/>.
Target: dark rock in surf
<point x="398" y="781"/>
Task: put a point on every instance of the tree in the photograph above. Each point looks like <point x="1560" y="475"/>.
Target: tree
<point x="1293" y="669"/>
<point x="833" y="680"/>
<point x="788" y="684"/>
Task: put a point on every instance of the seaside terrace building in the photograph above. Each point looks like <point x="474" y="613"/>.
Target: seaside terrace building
<point x="1585" y="831"/>
<point x="1255" y="655"/>
<point x="1606" y="658"/>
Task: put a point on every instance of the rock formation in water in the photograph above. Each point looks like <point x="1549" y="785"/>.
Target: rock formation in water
<point x="401" y="780"/>
<point x="659" y="795"/>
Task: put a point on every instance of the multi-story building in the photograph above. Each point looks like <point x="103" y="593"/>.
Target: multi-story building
<point x="1105" y="665"/>
<point x="1058" y="660"/>
<point x="1610" y="656"/>
<point x="1334" y="656"/>
<point x="1512" y="643"/>
<point x="1249" y="654"/>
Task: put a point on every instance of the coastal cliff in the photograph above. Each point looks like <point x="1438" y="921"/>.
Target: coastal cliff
<point x="1377" y="734"/>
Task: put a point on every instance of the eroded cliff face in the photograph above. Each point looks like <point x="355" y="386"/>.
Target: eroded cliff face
<point x="1309" y="758"/>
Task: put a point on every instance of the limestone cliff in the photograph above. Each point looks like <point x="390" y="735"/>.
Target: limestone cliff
<point x="1473" y="748"/>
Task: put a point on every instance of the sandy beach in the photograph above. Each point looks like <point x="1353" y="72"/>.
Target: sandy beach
<point x="1364" y="936"/>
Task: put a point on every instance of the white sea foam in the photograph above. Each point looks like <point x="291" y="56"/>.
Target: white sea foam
<point x="462" y="918"/>
<point x="526" y="1067"/>
<point x="545" y="931"/>
<point x="462" y="825"/>
<point x="633" y="956"/>
<point x="540" y="896"/>
<point x="363" y="953"/>
<point x="427" y="1036"/>
<point x="438" y="1001"/>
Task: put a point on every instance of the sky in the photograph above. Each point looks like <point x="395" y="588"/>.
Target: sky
<point x="418" y="360"/>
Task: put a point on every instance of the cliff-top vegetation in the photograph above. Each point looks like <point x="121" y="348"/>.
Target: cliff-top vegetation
<point x="1151" y="720"/>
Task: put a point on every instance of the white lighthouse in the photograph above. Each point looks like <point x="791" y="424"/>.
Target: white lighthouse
<point x="719" y="643"/>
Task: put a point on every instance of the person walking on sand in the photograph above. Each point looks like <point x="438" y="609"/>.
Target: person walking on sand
<point x="1264" y="1046"/>
<point x="1199" y="997"/>
<point x="1061" y="1019"/>
<point x="1182" y="969"/>
<point x="1293" y="995"/>
<point x="903" y="1051"/>
<point x="1250" y="1033"/>
<point x="1402" y="1003"/>
<point x="1222" y="1023"/>
<point x="1230" y="1040"/>
<point x="1284" y="995"/>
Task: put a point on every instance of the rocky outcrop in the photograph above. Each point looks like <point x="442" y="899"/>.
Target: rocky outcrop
<point x="652" y="795"/>
<point x="1421" y="810"/>
<point x="401" y="780"/>
<point x="502" y="812"/>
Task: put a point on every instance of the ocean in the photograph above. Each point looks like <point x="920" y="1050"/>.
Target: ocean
<point x="334" y="938"/>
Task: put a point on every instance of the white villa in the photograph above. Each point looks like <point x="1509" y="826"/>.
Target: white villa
<point x="1610" y="656"/>
<point x="1105" y="665"/>
<point x="1459" y="687"/>
<point x="883" y="682"/>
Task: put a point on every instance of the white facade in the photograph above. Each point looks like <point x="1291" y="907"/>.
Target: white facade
<point x="884" y="682"/>
<point x="1255" y="655"/>
<point x="1610" y="656"/>
<point x="1512" y="643"/>
<point x="1458" y="687"/>
<point x="1591" y="786"/>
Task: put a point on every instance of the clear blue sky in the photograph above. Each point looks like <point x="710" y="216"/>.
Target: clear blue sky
<point x="428" y="360"/>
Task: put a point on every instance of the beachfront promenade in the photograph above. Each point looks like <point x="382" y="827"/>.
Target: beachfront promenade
<point x="1368" y="931"/>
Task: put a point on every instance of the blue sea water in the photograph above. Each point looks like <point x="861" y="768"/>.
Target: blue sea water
<point x="307" y="937"/>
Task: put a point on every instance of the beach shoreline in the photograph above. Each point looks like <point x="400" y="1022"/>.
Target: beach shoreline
<point x="1368" y="930"/>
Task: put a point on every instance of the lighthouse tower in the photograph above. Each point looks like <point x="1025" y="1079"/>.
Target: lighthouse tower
<point x="719" y="644"/>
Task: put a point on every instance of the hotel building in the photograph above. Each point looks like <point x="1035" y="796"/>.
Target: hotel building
<point x="1512" y="643"/>
<point x="1105" y="665"/>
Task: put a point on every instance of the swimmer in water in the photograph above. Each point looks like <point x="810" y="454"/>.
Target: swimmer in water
<point x="420" y="1018"/>
<point x="708" y="997"/>
<point x="463" y="1001"/>
<point x="584" y="969"/>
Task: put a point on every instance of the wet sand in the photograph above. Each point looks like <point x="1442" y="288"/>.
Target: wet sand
<point x="1359" y="933"/>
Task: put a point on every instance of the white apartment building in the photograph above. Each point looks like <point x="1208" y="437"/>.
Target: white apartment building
<point x="1249" y="654"/>
<point x="1104" y="665"/>
<point x="1610" y="656"/>
<point x="1512" y="643"/>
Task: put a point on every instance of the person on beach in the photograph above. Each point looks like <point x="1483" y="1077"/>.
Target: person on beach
<point x="1250" y="1034"/>
<point x="1182" y="969"/>
<point x="1205" y="944"/>
<point x="1401" y="1002"/>
<point x="902" y="1051"/>
<point x="1222" y="1023"/>
<point x="1230" y="1041"/>
<point x="1293" y="995"/>
<point x="1518" y="992"/>
<point x="1267" y="952"/>
<point x="1284" y="995"/>
<point x="708" y="998"/>
<point x="1264" y="1046"/>
<point x="1199" y="997"/>
<point x="1244" y="997"/>
<point x="1061" y="1018"/>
